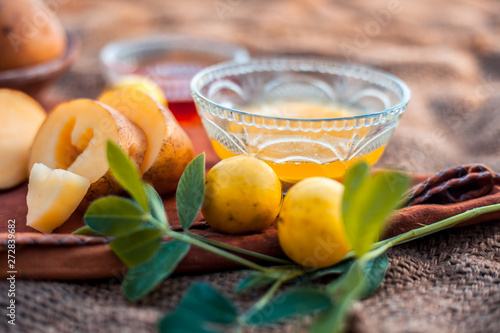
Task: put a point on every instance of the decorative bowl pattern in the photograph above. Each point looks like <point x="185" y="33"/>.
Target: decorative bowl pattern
<point x="327" y="146"/>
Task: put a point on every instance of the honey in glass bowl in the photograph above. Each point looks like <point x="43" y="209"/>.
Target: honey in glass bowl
<point x="305" y="117"/>
<point x="294" y="168"/>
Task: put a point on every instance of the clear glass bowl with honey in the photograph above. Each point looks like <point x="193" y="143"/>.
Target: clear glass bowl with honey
<point x="304" y="116"/>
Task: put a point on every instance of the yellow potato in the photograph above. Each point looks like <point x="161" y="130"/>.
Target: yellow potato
<point x="30" y="34"/>
<point x="53" y="195"/>
<point x="169" y="149"/>
<point x="74" y="138"/>
<point x="20" y="118"/>
<point x="141" y="83"/>
<point x="243" y="195"/>
<point x="310" y="227"/>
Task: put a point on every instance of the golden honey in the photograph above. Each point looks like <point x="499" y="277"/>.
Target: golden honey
<point x="293" y="171"/>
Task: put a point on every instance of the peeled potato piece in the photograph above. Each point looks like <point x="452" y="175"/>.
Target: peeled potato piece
<point x="20" y="118"/>
<point x="74" y="138"/>
<point x="53" y="195"/>
<point x="169" y="148"/>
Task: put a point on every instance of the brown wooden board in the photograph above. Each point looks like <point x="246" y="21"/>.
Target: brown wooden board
<point x="63" y="256"/>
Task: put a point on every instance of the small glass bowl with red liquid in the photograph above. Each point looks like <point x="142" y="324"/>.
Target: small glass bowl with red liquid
<point x="171" y="61"/>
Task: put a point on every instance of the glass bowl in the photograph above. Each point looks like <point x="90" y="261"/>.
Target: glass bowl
<point x="371" y="103"/>
<point x="169" y="60"/>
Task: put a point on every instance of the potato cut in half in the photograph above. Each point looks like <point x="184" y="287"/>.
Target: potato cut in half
<point x="53" y="195"/>
<point x="20" y="118"/>
<point x="74" y="138"/>
<point x="169" y="148"/>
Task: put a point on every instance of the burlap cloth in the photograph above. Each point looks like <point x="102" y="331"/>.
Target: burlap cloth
<point x="448" y="53"/>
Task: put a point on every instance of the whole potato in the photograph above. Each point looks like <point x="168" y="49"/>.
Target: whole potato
<point x="30" y="33"/>
<point x="243" y="195"/>
<point x="310" y="226"/>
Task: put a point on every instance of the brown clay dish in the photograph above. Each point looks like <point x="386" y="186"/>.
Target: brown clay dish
<point x="34" y="79"/>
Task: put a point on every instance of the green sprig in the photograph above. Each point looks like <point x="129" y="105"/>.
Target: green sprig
<point x="138" y="228"/>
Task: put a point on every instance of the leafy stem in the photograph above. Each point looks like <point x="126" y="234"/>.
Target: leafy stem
<point x="138" y="227"/>
<point x="263" y="300"/>
<point x="158" y="224"/>
<point x="193" y="241"/>
<point x="383" y="245"/>
<point x="240" y="250"/>
<point x="438" y="226"/>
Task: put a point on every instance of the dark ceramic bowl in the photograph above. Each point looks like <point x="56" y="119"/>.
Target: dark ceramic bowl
<point x="34" y="79"/>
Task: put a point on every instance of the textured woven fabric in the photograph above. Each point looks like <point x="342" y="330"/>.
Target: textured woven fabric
<point x="449" y="54"/>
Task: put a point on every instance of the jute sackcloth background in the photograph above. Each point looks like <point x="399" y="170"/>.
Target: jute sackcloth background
<point x="449" y="54"/>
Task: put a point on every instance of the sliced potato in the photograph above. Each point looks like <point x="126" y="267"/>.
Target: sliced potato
<point x="20" y="118"/>
<point x="53" y="195"/>
<point x="74" y="138"/>
<point x="169" y="148"/>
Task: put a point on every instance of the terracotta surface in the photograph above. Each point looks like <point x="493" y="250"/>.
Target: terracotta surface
<point x="62" y="256"/>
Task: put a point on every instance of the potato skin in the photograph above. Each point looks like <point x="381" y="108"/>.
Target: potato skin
<point x="30" y="33"/>
<point x="133" y="141"/>
<point x="310" y="226"/>
<point x="242" y="195"/>
<point x="176" y="153"/>
<point x="109" y="125"/>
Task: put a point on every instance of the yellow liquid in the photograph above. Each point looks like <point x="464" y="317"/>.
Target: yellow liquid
<point x="293" y="172"/>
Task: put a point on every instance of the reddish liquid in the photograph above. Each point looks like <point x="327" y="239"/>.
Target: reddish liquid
<point x="184" y="112"/>
<point x="174" y="76"/>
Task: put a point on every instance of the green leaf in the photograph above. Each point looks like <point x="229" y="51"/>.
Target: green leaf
<point x="256" y="279"/>
<point x="374" y="274"/>
<point x="354" y="177"/>
<point x="178" y="323"/>
<point x="217" y="308"/>
<point x="191" y="191"/>
<point x="137" y="247"/>
<point x="203" y="309"/>
<point x="294" y="302"/>
<point x="347" y="289"/>
<point x="114" y="216"/>
<point x="337" y="269"/>
<point x="361" y="280"/>
<point x="141" y="279"/>
<point x="367" y="203"/>
<point x="85" y="231"/>
<point x="156" y="204"/>
<point x="333" y="319"/>
<point x="126" y="173"/>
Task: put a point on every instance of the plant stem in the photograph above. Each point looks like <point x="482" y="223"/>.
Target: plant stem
<point x="426" y="230"/>
<point x="158" y="224"/>
<point x="240" y="250"/>
<point x="214" y="246"/>
<point x="438" y="226"/>
<point x="193" y="241"/>
<point x="263" y="300"/>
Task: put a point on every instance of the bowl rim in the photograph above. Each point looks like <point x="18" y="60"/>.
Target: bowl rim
<point x="398" y="108"/>
<point x="44" y="69"/>
<point x="108" y="55"/>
